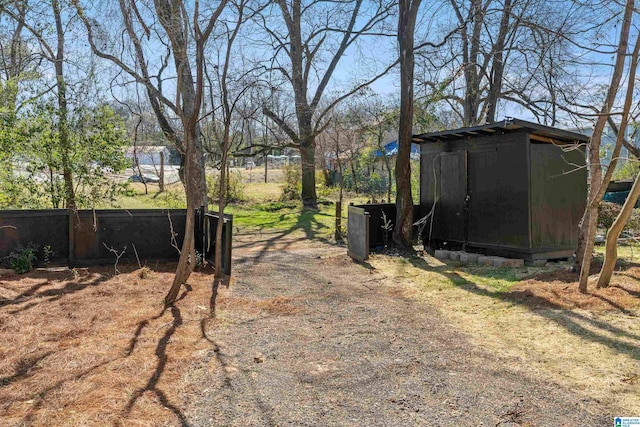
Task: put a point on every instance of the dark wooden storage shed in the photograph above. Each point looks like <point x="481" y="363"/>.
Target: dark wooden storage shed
<point x="511" y="188"/>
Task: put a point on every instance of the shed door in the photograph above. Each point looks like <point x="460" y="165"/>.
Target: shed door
<point x="483" y="208"/>
<point x="453" y="191"/>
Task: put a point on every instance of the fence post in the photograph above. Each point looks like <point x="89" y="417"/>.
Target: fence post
<point x="72" y="245"/>
<point x="227" y="244"/>
<point x="338" y="231"/>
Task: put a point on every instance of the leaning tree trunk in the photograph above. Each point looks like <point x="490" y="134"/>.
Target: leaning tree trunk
<point x="590" y="228"/>
<point x="597" y="186"/>
<point x="611" y="251"/>
<point x="222" y="197"/>
<point x="387" y="164"/>
<point x="611" y="248"/>
<point x="187" y="259"/>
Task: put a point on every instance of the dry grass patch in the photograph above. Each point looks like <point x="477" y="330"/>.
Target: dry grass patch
<point x="85" y="347"/>
<point x="536" y="319"/>
<point x="558" y="289"/>
<point x="280" y="305"/>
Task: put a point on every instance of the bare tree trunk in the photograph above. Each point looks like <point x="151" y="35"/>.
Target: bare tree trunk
<point x="191" y="91"/>
<point x="353" y="174"/>
<point x="590" y="227"/>
<point x="312" y="68"/>
<point x="308" y="160"/>
<point x="497" y="67"/>
<point x="408" y="10"/>
<point x="614" y="232"/>
<point x="471" y="51"/>
<point x="598" y="185"/>
<point x="136" y="160"/>
<point x="63" y="125"/>
<point x="611" y="248"/>
<point x="170" y="15"/>
<point x="218" y="272"/>
<point x="161" y="183"/>
<point x="387" y="164"/>
<point x="187" y="259"/>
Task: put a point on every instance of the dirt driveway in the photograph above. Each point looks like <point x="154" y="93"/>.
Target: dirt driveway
<point x="304" y="336"/>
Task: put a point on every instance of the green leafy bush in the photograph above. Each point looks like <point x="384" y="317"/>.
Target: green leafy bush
<point x="173" y="200"/>
<point x="235" y="190"/>
<point x="323" y="189"/>
<point x="21" y="259"/>
<point x="276" y="206"/>
<point x="373" y="184"/>
<point x="607" y="213"/>
<point x="292" y="183"/>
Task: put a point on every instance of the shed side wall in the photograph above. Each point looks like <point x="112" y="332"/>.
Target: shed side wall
<point x="558" y="195"/>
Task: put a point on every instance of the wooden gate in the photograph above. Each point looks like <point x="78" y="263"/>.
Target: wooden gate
<point x="358" y="234"/>
<point x="206" y="227"/>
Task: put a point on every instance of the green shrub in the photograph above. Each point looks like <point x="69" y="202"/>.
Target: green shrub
<point x="323" y="189"/>
<point x="607" y="213"/>
<point x="292" y="186"/>
<point x="173" y="200"/>
<point x="373" y="184"/>
<point x="235" y="190"/>
<point x="276" y="206"/>
<point x="128" y="191"/>
<point x="21" y="259"/>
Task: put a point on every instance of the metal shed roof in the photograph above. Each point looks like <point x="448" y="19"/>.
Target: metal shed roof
<point x="543" y="133"/>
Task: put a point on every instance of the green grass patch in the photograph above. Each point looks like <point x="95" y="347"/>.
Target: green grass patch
<point x="493" y="279"/>
<point x="487" y="279"/>
<point x="628" y="252"/>
<point x="289" y="216"/>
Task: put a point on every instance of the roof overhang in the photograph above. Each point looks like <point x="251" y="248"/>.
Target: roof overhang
<point x="537" y="132"/>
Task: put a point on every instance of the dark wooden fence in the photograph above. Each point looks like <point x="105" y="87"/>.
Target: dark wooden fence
<point x="371" y="227"/>
<point x="98" y="235"/>
<point x="40" y="227"/>
<point x="89" y="237"/>
<point x="206" y="228"/>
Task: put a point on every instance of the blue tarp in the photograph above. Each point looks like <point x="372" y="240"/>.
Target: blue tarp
<point x="618" y="197"/>
<point x="391" y="149"/>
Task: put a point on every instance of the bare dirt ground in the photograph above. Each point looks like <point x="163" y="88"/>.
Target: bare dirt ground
<point x="343" y="346"/>
<point x="301" y="336"/>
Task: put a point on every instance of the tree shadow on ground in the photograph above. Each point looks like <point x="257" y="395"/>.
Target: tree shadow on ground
<point x="306" y="222"/>
<point x="223" y="360"/>
<point x="77" y="280"/>
<point x="40" y="295"/>
<point x="161" y="356"/>
<point x="570" y="320"/>
<point x="37" y="293"/>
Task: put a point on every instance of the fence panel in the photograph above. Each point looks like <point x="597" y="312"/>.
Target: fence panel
<point x="210" y="227"/>
<point x="382" y="220"/>
<point x="47" y="227"/>
<point x="358" y="233"/>
<point x="146" y="232"/>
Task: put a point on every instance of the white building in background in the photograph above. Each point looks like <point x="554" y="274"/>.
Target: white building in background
<point x="148" y="155"/>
